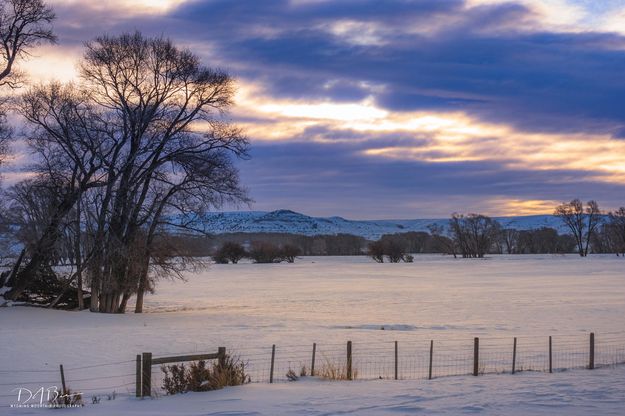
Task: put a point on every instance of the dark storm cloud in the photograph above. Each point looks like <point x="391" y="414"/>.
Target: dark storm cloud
<point x="479" y="61"/>
<point x="494" y="62"/>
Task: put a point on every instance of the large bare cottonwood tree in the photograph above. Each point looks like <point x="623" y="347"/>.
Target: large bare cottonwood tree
<point x="156" y="153"/>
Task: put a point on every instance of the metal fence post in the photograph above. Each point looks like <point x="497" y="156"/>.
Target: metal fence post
<point x="514" y="356"/>
<point x="476" y="356"/>
<point x="396" y="361"/>
<point x="591" y="359"/>
<point x="550" y="355"/>
<point x="273" y="358"/>
<point x="431" y="356"/>
<point x="349" y="360"/>
<point x="312" y="364"/>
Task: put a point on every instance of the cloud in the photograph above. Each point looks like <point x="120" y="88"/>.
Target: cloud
<point x="438" y="106"/>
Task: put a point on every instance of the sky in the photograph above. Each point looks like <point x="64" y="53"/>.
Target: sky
<point x="400" y="109"/>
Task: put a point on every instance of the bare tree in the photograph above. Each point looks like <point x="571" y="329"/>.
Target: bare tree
<point x="230" y="251"/>
<point x="442" y="242"/>
<point x="290" y="252"/>
<point x="24" y="24"/>
<point x="71" y="143"/>
<point x="264" y="252"/>
<point x="376" y="251"/>
<point x="474" y="234"/>
<point x="581" y="221"/>
<point x="510" y="238"/>
<point x="615" y="230"/>
<point x="175" y="152"/>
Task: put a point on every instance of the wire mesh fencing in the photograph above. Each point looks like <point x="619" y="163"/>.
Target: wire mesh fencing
<point x="407" y="359"/>
<point x="94" y="382"/>
<point x="424" y="359"/>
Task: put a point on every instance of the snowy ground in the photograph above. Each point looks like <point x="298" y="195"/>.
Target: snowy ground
<point x="247" y="308"/>
<point x="579" y="392"/>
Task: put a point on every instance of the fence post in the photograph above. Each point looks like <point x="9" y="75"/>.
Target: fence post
<point x="273" y="358"/>
<point x="514" y="356"/>
<point x="312" y="364"/>
<point x="222" y="356"/>
<point x="431" y="355"/>
<point x="138" y="377"/>
<point x="476" y="356"/>
<point x="591" y="362"/>
<point x="349" y="360"/>
<point x="63" y="379"/>
<point x="396" y="361"/>
<point x="550" y="356"/>
<point x="146" y="371"/>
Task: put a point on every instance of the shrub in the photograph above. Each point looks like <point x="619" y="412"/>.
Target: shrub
<point x="394" y="250"/>
<point x="175" y="380"/>
<point x="229" y="252"/>
<point x="67" y="399"/>
<point x="291" y="376"/>
<point x="265" y="253"/>
<point x="389" y="246"/>
<point x="290" y="252"/>
<point x="201" y="377"/>
<point x="376" y="251"/>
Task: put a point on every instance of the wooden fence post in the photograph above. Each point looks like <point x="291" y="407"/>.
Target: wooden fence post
<point x="312" y="364"/>
<point x="476" y="356"/>
<point x="63" y="379"/>
<point x="431" y="355"/>
<point x="550" y="356"/>
<point x="138" y="377"/>
<point x="146" y="371"/>
<point x="396" y="360"/>
<point x="349" y="360"/>
<point x="514" y="356"/>
<point x="222" y="356"/>
<point x="591" y="359"/>
<point x="273" y="358"/>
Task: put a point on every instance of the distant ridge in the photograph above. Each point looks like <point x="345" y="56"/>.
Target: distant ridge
<point x="286" y="221"/>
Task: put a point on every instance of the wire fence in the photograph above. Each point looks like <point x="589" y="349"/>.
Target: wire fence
<point x="403" y="360"/>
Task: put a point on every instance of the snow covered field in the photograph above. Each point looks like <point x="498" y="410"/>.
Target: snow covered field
<point x="579" y="392"/>
<point x="249" y="307"/>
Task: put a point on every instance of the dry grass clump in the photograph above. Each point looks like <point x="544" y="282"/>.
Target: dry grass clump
<point x="333" y="371"/>
<point x="199" y="376"/>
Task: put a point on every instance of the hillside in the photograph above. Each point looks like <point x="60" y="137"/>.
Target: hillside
<point x="286" y="221"/>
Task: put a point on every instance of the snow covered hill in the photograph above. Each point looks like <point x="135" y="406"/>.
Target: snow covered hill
<point x="286" y="221"/>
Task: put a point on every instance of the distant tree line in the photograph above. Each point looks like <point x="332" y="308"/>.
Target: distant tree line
<point x="475" y="235"/>
<point x="259" y="252"/>
<point x="467" y="236"/>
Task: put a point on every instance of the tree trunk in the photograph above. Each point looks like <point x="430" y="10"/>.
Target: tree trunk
<point x="78" y="258"/>
<point x="16" y="267"/>
<point x="43" y="249"/>
<point x="143" y="285"/>
<point x="123" y="303"/>
<point x="95" y="297"/>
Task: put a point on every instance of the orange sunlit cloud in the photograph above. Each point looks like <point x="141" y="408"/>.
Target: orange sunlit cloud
<point x="452" y="137"/>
